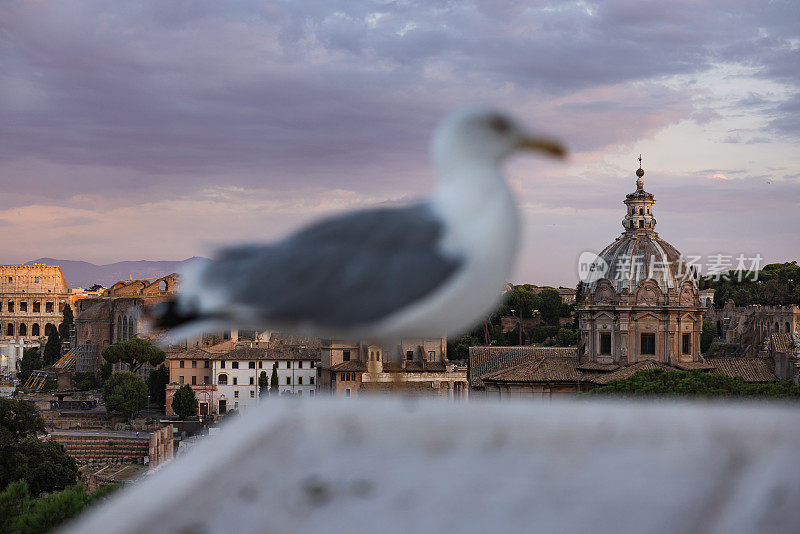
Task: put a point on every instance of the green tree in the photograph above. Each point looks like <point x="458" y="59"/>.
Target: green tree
<point x="273" y="380"/>
<point x="522" y="301"/>
<point x="20" y="419"/>
<point x="157" y="385"/>
<point x="125" y="392"/>
<point x="263" y="384"/>
<point x="134" y="353"/>
<point x="458" y="348"/>
<point x="85" y="380"/>
<point x="707" y="336"/>
<point x="184" y="402"/>
<point x="29" y="363"/>
<point x="66" y="322"/>
<point x="52" y="349"/>
<point x="106" y="370"/>
<point x="20" y="513"/>
<point x="42" y="464"/>
<point x="660" y="383"/>
<point x="551" y="307"/>
<point x="566" y="337"/>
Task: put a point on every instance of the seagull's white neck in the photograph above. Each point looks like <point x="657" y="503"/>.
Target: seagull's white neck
<point x="479" y="209"/>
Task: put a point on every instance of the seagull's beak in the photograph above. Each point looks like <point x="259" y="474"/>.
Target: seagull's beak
<point x="550" y="147"/>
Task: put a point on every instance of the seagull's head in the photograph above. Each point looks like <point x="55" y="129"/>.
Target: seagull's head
<point x="484" y="136"/>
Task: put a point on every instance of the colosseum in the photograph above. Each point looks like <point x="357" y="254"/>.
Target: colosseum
<point x="32" y="300"/>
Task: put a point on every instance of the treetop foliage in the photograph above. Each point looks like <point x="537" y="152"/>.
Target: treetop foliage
<point x="660" y="383"/>
<point x="777" y="283"/>
<point x="125" y="392"/>
<point x="134" y="353"/>
<point x="184" y="402"/>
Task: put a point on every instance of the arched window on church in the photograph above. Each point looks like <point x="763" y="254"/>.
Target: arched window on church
<point x="35" y="330"/>
<point x="119" y="328"/>
<point x="641" y="211"/>
<point x="125" y="328"/>
<point x="10" y="330"/>
<point x="23" y="329"/>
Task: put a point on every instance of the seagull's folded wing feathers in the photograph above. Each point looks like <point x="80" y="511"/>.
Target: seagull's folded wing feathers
<point x="345" y="271"/>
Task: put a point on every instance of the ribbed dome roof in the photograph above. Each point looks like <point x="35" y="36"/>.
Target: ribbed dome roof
<point x="633" y="258"/>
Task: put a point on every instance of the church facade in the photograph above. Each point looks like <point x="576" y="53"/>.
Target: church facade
<point x="642" y="301"/>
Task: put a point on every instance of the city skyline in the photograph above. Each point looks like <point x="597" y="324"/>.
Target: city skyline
<point x="162" y="131"/>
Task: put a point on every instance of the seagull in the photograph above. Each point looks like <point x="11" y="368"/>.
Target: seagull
<point x="423" y="270"/>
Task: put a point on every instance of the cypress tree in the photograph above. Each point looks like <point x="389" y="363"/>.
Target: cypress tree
<point x="273" y="381"/>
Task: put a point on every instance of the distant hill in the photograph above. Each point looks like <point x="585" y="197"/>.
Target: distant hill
<point x="84" y="274"/>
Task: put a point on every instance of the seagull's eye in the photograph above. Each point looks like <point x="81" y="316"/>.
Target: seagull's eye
<point x="500" y="125"/>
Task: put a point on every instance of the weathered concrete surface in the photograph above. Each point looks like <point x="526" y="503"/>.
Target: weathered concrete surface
<point x="371" y="465"/>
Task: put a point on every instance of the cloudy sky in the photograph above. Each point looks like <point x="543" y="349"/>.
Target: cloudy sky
<point x="160" y="130"/>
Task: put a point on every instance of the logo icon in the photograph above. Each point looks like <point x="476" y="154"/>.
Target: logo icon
<point x="591" y="267"/>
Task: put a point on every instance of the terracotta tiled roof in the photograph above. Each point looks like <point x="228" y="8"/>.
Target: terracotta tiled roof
<point x="353" y="365"/>
<point x="783" y="343"/>
<point x="485" y="360"/>
<point x="548" y="369"/>
<point x="246" y="353"/>
<point x="417" y="367"/>
<point x="750" y="369"/>
<point x="627" y="372"/>
<point x="693" y="366"/>
<point x="595" y="366"/>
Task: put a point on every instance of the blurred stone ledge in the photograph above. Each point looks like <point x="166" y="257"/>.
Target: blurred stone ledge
<point x="394" y="466"/>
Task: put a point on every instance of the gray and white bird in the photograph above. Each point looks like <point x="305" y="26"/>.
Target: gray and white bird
<point x="425" y="270"/>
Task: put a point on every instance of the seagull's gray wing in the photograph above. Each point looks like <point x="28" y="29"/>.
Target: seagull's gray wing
<point x="349" y="270"/>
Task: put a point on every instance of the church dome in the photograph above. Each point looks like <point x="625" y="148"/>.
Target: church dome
<point x="639" y="254"/>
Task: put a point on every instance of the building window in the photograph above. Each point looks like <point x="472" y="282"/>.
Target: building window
<point x="605" y="343"/>
<point x="259" y="365"/>
<point x="409" y="355"/>
<point x="222" y="380"/>
<point x="431" y="355"/>
<point x="235" y="380"/>
<point x="251" y="380"/>
<point x="641" y="224"/>
<point x="288" y="381"/>
<point x="35" y="279"/>
<point x="346" y="355"/>
<point x="194" y="364"/>
<point x="299" y="380"/>
<point x="235" y="405"/>
<point x="205" y="364"/>
<point x="180" y="379"/>
<point x="648" y="342"/>
<point x="288" y="365"/>
<point x="235" y="393"/>
<point x="311" y="380"/>
<point x="205" y="380"/>
<point x="300" y="364"/>
<point x="23" y="306"/>
<point x="234" y="365"/>
<point x="180" y="364"/>
<point x="251" y="365"/>
<point x="194" y="380"/>
<point x="313" y="364"/>
<point x="252" y="394"/>
<point x="222" y="364"/>
<point x="687" y="343"/>
<point x="36" y="306"/>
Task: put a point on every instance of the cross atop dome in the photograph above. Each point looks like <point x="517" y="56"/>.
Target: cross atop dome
<point x="640" y="173"/>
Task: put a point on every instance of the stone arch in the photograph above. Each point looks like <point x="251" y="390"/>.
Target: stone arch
<point x="222" y="379"/>
<point x="10" y="329"/>
<point x="35" y="330"/>
<point x="163" y="285"/>
<point x="48" y="328"/>
<point x="125" y="328"/>
<point x="23" y="330"/>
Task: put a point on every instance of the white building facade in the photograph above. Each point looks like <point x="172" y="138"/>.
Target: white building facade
<point x="236" y="375"/>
